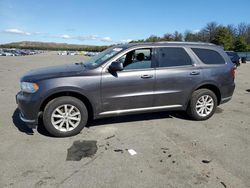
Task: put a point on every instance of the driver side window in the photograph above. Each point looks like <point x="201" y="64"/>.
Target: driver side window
<point x="137" y="59"/>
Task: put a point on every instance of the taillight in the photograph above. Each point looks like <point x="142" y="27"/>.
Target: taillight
<point x="232" y="71"/>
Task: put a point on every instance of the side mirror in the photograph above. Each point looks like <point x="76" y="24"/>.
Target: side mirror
<point x="116" y="66"/>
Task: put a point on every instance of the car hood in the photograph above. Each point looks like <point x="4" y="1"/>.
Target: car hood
<point x="53" y="72"/>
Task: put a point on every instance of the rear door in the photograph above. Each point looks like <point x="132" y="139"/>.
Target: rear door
<point x="131" y="88"/>
<point x="176" y="76"/>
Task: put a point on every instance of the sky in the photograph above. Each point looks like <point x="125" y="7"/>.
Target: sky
<point x="105" y="22"/>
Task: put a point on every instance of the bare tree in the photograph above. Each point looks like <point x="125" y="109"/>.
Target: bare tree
<point x="190" y="36"/>
<point x="242" y="30"/>
<point x="168" y="37"/>
<point x="178" y="36"/>
<point x="230" y="36"/>
<point x="248" y="34"/>
<point x="232" y="30"/>
<point x="210" y="30"/>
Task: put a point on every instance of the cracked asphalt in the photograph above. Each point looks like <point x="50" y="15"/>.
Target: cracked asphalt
<point x="172" y="151"/>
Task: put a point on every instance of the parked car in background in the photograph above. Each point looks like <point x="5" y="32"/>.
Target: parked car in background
<point x="62" y="53"/>
<point x="91" y="54"/>
<point x="235" y="58"/>
<point x="128" y="79"/>
<point x="71" y="53"/>
<point x="7" y="54"/>
<point x="18" y="52"/>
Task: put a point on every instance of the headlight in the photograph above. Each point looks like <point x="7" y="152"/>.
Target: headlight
<point x="29" y="87"/>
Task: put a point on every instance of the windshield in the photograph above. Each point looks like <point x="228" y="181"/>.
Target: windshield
<point x="102" y="57"/>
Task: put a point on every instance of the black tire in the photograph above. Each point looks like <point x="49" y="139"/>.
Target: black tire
<point x="191" y="110"/>
<point x="55" y="103"/>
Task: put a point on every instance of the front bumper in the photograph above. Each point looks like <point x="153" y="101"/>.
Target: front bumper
<point x="29" y="109"/>
<point x="30" y="123"/>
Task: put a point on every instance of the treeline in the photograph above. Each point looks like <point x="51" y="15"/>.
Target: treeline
<point x="53" y="46"/>
<point x="231" y="37"/>
<point x="89" y="49"/>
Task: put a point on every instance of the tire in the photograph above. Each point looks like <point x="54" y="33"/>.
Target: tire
<point x="61" y="124"/>
<point x="196" y="112"/>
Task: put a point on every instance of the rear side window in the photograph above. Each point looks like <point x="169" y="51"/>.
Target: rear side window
<point x="172" y="56"/>
<point x="208" y="56"/>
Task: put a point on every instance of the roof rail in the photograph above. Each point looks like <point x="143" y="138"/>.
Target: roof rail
<point x="181" y="42"/>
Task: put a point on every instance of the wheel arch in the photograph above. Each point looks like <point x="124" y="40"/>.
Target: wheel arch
<point x="75" y="94"/>
<point x="213" y="87"/>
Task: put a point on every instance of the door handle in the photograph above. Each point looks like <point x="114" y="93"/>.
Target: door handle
<point x="195" y="73"/>
<point x="146" y="76"/>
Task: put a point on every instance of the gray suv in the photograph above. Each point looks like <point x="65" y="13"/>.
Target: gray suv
<point x="128" y="79"/>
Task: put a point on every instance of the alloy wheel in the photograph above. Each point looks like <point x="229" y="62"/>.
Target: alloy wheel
<point x="66" y="117"/>
<point x="204" y="105"/>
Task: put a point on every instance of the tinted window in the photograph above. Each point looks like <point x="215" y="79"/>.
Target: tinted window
<point x="169" y="57"/>
<point x="233" y="56"/>
<point x="209" y="56"/>
<point x="136" y="59"/>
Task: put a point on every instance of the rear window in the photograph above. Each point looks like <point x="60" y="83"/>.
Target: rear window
<point x="172" y="56"/>
<point x="208" y="56"/>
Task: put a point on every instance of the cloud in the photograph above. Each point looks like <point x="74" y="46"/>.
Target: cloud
<point x="83" y="38"/>
<point x="65" y="36"/>
<point x="39" y="33"/>
<point x="196" y="31"/>
<point x="95" y="37"/>
<point x="126" y="40"/>
<point x="16" y="31"/>
<point x="89" y="37"/>
<point x="106" y="39"/>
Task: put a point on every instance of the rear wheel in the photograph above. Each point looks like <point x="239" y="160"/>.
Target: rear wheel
<point x="65" y="116"/>
<point x="202" y="104"/>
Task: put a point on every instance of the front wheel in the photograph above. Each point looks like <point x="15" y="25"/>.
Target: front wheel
<point x="202" y="104"/>
<point x="65" y="116"/>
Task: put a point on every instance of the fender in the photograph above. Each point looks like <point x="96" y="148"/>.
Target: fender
<point x="71" y="89"/>
<point x="206" y="82"/>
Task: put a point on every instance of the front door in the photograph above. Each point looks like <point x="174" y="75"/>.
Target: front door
<point x="132" y="88"/>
